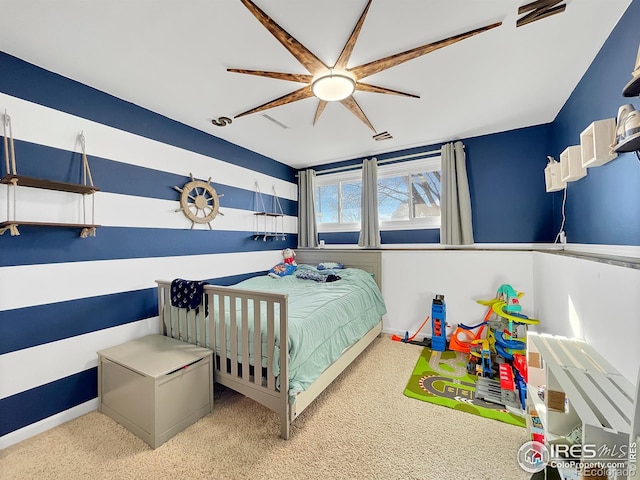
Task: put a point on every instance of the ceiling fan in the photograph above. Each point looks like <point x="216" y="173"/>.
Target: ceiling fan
<point x="338" y="82"/>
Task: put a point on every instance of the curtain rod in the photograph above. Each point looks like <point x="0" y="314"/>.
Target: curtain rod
<point x="356" y="166"/>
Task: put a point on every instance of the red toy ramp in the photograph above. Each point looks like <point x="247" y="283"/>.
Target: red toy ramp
<point x="408" y="338"/>
<point x="463" y="336"/>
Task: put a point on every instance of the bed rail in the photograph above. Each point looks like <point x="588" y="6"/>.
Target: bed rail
<point x="252" y="316"/>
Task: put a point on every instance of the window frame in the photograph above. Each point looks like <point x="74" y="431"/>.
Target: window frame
<point x="396" y="169"/>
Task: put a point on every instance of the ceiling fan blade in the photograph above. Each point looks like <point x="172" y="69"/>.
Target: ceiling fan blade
<point x="541" y="9"/>
<point x="364" y="87"/>
<point x="376" y="66"/>
<point x="319" y="110"/>
<point x="343" y="59"/>
<point x="301" y="94"/>
<point x="292" y="77"/>
<point x="312" y="63"/>
<point x="354" y="108"/>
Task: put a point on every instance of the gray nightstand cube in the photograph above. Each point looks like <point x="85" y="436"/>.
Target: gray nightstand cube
<point x="155" y="386"/>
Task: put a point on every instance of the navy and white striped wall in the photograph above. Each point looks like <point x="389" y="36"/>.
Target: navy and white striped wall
<point x="62" y="298"/>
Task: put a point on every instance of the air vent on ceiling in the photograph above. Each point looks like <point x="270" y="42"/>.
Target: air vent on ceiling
<point x="270" y="118"/>
<point x="378" y="137"/>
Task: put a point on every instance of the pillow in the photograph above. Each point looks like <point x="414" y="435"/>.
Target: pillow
<point x="281" y="270"/>
<point x="330" y="266"/>
<point x="328" y="271"/>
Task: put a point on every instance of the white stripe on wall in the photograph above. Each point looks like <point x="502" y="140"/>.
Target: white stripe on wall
<point x="68" y="281"/>
<point x="31" y="367"/>
<point x="45" y="126"/>
<point x="116" y="210"/>
<point x="127" y="211"/>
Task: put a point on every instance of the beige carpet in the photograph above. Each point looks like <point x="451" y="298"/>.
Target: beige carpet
<point x="361" y="427"/>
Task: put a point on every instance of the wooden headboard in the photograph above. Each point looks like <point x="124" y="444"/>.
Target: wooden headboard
<point x="367" y="260"/>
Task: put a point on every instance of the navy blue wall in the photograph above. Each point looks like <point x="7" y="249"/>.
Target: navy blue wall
<point x="506" y="182"/>
<point x="604" y="206"/>
<point x="506" y="170"/>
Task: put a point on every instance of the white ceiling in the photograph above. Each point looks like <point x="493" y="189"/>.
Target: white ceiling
<point x="171" y="56"/>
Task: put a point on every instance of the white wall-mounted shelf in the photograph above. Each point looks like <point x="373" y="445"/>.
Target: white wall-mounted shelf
<point x="596" y="141"/>
<point x="552" y="178"/>
<point x="571" y="168"/>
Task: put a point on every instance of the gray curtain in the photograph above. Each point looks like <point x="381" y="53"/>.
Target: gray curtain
<point x="369" y="227"/>
<point x="307" y="228"/>
<point x="455" y="202"/>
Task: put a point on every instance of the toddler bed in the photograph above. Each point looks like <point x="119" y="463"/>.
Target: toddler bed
<point x="325" y="327"/>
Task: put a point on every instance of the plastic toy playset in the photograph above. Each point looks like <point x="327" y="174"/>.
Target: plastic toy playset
<point x="496" y="347"/>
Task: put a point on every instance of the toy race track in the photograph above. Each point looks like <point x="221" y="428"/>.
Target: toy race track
<point x="504" y="346"/>
<point x="441" y="386"/>
<point x="483" y="368"/>
<point x="498" y="308"/>
<point x="449" y="383"/>
<point x="457" y="366"/>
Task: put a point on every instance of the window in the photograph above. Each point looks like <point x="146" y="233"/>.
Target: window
<point x="408" y="197"/>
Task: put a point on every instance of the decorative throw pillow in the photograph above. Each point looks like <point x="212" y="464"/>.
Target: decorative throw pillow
<point x="328" y="271"/>
<point x="330" y="266"/>
<point x="282" y="270"/>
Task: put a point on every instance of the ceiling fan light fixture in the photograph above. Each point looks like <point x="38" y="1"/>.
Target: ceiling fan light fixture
<point x="333" y="87"/>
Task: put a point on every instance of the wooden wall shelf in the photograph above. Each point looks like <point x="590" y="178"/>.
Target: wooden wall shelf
<point x="48" y="224"/>
<point x="571" y="164"/>
<point x="13" y="181"/>
<point x="268" y="236"/>
<point x="269" y="214"/>
<point x="272" y="225"/>
<point x="86" y="229"/>
<point x="24" y="181"/>
<point x="595" y="143"/>
<point x="552" y="179"/>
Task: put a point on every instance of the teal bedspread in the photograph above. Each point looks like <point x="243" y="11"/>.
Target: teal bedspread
<point x="324" y="319"/>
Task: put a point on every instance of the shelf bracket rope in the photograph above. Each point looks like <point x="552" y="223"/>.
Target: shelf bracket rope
<point x="9" y="147"/>
<point x="86" y="171"/>
<point x="88" y="232"/>
<point x="10" y="163"/>
<point x="12" y="229"/>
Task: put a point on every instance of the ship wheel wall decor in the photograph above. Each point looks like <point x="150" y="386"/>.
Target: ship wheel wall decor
<point x="199" y="201"/>
<point x="337" y="83"/>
